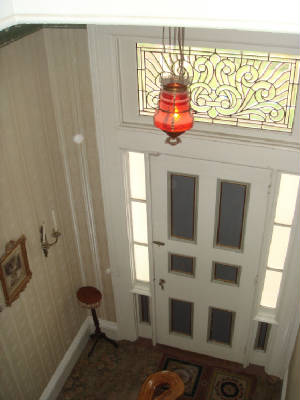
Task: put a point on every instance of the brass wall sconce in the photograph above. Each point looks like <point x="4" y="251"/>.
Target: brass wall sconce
<point x="45" y="244"/>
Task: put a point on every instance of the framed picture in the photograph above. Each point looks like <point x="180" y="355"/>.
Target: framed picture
<point x="14" y="269"/>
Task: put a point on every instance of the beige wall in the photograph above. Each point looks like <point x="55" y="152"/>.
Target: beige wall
<point x="70" y="83"/>
<point x="293" y="386"/>
<point x="37" y="112"/>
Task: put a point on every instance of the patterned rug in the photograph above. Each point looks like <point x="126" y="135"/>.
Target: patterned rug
<point x="118" y="374"/>
<point x="189" y="373"/>
<point x="225" y="385"/>
<point x="209" y="383"/>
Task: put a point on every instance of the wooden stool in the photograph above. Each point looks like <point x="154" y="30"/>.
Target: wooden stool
<point x="90" y="297"/>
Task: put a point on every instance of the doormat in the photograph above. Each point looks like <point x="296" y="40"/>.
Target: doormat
<point x="210" y="383"/>
<point x="226" y="385"/>
<point x="188" y="372"/>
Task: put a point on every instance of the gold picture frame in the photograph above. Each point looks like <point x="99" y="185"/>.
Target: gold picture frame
<point x="14" y="269"/>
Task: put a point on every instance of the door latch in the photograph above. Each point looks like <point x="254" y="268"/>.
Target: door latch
<point x="158" y="243"/>
<point x="162" y="283"/>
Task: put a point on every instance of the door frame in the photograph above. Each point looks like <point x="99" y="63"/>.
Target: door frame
<point x="114" y="136"/>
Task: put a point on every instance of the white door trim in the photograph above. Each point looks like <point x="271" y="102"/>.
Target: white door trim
<point x="113" y="136"/>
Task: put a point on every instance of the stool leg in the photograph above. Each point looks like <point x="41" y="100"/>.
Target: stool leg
<point x="96" y="321"/>
<point x="94" y="345"/>
<point x="99" y="334"/>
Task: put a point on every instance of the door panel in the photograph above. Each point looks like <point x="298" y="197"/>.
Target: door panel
<point x="211" y="304"/>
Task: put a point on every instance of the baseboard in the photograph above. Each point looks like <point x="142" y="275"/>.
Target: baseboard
<point x="73" y="353"/>
<point x="284" y="385"/>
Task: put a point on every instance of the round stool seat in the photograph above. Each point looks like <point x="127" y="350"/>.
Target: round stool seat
<point x="89" y="297"/>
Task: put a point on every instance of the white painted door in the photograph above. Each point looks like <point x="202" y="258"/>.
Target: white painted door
<point x="205" y="273"/>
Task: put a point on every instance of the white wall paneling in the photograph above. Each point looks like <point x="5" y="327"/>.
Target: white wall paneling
<point x="114" y="82"/>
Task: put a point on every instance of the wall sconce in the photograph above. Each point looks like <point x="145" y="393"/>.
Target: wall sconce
<point x="55" y="233"/>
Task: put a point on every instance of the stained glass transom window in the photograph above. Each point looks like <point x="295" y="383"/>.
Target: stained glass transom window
<point x="232" y="87"/>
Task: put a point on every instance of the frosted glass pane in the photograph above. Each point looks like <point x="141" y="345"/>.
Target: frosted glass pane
<point x="141" y="260"/>
<point x="287" y="199"/>
<point x="231" y="214"/>
<point x="278" y="248"/>
<point x="271" y="289"/>
<point x="226" y="273"/>
<point x="183" y="201"/>
<point x="181" y="317"/>
<point x="221" y="325"/>
<point x="182" y="264"/>
<point x="139" y="222"/>
<point x="137" y="175"/>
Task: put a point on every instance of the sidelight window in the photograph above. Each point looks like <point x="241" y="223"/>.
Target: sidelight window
<point x="138" y="215"/>
<point x="262" y="336"/>
<point x="282" y="227"/>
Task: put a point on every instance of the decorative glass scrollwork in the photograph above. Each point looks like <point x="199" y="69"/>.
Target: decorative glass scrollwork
<point x="239" y="88"/>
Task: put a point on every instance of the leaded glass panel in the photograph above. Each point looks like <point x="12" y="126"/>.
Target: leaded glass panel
<point x="232" y="87"/>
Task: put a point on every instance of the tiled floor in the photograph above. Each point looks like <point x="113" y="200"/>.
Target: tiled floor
<point x="117" y="374"/>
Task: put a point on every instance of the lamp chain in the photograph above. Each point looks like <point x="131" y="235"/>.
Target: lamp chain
<point x="179" y="35"/>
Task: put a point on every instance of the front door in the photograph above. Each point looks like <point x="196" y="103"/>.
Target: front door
<point x="208" y="220"/>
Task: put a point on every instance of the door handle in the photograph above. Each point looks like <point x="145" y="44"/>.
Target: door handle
<point x="162" y="283"/>
<point x="158" y="243"/>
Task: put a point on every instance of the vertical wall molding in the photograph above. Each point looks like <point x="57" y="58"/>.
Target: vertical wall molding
<point x="86" y="191"/>
<point x="67" y="172"/>
<point x="84" y="173"/>
<point x="70" y="193"/>
<point x="89" y="209"/>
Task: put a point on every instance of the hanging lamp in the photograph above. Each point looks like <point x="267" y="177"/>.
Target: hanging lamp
<point x="173" y="115"/>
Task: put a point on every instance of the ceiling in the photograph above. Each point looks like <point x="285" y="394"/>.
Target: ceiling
<point x="256" y="15"/>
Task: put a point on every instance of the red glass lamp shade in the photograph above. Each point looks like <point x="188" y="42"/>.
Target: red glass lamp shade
<point x="173" y="115"/>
